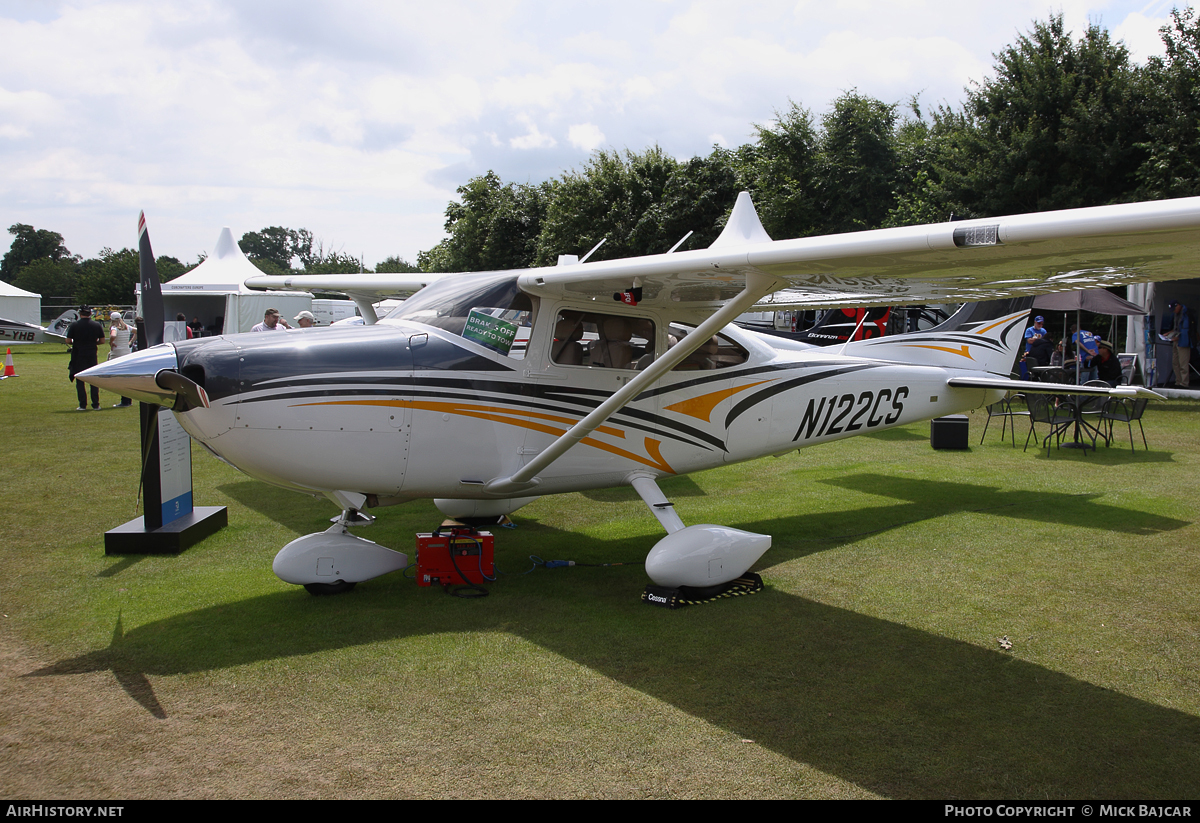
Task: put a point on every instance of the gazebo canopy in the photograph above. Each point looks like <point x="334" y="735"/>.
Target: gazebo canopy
<point x="1097" y="301"/>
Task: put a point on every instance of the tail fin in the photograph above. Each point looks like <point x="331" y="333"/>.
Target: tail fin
<point x="980" y="336"/>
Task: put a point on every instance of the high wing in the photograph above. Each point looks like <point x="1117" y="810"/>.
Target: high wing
<point x="956" y="262"/>
<point x="364" y="289"/>
<point x="953" y="262"/>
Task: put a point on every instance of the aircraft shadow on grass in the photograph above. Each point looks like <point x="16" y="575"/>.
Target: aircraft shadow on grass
<point x="895" y="709"/>
<point x="284" y="507"/>
<point x="927" y="499"/>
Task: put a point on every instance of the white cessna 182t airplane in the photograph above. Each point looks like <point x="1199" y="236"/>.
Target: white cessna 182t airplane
<point x="485" y="391"/>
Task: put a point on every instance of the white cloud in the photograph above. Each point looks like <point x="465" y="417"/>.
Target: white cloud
<point x="585" y="136"/>
<point x="534" y="138"/>
<point x="358" y="120"/>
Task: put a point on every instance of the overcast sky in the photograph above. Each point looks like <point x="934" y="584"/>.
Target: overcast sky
<point x="357" y="120"/>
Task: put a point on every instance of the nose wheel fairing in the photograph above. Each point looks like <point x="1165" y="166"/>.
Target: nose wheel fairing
<point x="334" y="556"/>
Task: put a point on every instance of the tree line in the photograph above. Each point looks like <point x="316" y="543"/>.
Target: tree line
<point x="1060" y="123"/>
<point x="38" y="261"/>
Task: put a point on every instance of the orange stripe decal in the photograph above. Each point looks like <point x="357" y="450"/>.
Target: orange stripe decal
<point x="987" y="329"/>
<point x="513" y="418"/>
<point x="701" y="407"/>
<point x="963" y="352"/>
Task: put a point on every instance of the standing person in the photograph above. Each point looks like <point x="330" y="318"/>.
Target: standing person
<point x="1086" y="348"/>
<point x="84" y="336"/>
<point x="120" y="336"/>
<point x="182" y="318"/>
<point x="305" y="320"/>
<point x="271" y="322"/>
<point x="1177" y="327"/>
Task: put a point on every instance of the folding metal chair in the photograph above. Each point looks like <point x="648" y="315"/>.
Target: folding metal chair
<point x="1126" y="410"/>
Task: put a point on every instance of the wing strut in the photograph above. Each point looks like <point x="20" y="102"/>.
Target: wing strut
<point x="757" y="286"/>
<point x="366" y="308"/>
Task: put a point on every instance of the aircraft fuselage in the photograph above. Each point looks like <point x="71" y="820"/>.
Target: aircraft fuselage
<point x="403" y="410"/>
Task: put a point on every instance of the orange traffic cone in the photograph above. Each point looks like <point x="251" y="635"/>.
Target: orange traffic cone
<point x="9" y="371"/>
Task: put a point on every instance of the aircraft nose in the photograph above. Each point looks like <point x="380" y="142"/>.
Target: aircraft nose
<point x="134" y="375"/>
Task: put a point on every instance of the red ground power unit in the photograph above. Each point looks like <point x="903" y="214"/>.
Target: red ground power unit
<point x="472" y="556"/>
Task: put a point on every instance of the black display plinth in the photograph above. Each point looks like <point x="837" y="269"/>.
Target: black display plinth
<point x="173" y="538"/>
<point x="950" y="432"/>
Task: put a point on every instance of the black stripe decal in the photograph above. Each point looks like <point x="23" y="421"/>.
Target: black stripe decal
<point x="784" y="385"/>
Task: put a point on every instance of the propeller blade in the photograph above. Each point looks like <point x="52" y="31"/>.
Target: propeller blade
<point x="152" y="299"/>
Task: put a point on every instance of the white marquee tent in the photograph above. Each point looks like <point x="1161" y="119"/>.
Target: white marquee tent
<point x="20" y="305"/>
<point x="215" y="291"/>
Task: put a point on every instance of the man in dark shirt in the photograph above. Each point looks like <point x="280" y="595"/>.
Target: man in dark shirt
<point x="84" y="336"/>
<point x="1108" y="365"/>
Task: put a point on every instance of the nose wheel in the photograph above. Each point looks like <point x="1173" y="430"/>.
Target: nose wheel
<point x="333" y="561"/>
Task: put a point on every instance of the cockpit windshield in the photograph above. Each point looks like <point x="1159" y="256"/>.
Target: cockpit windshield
<point x="487" y="309"/>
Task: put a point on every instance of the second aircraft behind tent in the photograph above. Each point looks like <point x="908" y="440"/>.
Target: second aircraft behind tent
<point x="486" y="391"/>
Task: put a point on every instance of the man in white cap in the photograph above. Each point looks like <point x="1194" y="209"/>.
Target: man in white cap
<point x="305" y="320"/>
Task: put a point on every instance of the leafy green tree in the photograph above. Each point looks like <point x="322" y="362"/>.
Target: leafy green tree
<point x="47" y="277"/>
<point x="919" y="196"/>
<point x="31" y="244"/>
<point x="395" y="265"/>
<point x="614" y="197"/>
<point x="1172" y="94"/>
<point x="269" y="266"/>
<point x="170" y="267"/>
<point x="278" y="246"/>
<point x="495" y="226"/>
<point x="780" y="172"/>
<point x="698" y="197"/>
<point x="857" y="164"/>
<point x="109" y="278"/>
<point x="1059" y="126"/>
<point x="333" y="263"/>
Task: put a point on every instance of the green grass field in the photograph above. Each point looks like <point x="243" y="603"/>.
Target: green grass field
<point x="869" y="666"/>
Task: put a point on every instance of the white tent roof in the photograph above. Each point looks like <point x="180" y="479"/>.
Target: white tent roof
<point x="9" y="290"/>
<point x="20" y="305"/>
<point x="225" y="270"/>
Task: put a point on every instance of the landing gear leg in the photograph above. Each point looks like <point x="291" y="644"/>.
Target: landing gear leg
<point x="696" y="556"/>
<point x="333" y="561"/>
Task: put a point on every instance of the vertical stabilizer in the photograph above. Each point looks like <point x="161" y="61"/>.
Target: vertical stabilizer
<point x="983" y="336"/>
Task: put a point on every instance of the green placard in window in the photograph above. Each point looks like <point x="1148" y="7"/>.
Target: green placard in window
<point x="492" y="332"/>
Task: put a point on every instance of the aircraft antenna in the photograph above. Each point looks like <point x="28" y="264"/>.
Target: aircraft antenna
<point x="593" y="251"/>
<point x="680" y="243"/>
<point x="854" y="334"/>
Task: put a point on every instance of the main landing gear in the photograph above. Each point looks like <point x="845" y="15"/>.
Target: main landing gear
<point x="333" y="561"/>
<point x="696" y="556"/>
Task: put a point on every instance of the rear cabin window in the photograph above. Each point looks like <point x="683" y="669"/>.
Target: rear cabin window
<point x="609" y="341"/>
<point x="718" y="352"/>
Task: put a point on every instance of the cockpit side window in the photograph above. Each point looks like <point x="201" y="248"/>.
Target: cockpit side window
<point x="610" y="341"/>
<point x="718" y="352"/>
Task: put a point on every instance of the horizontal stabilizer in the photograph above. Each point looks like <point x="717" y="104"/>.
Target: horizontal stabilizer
<point x="1050" y="388"/>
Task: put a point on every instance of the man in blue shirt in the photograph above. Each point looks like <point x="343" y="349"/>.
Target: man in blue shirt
<point x="1086" y="348"/>
<point x="1035" y="331"/>
<point x="1177" y="327"/>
